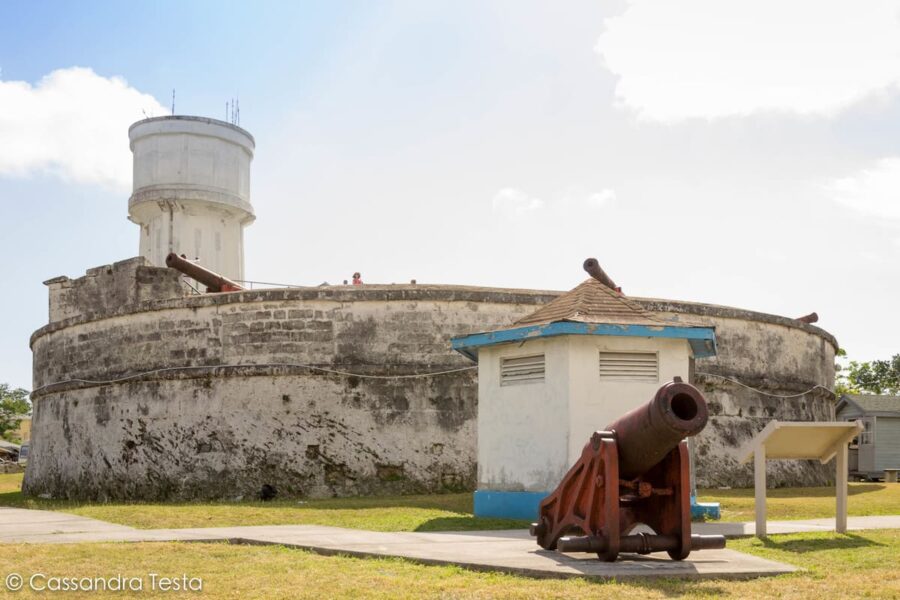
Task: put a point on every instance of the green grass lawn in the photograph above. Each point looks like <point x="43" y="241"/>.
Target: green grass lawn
<point x="837" y="566"/>
<point x="856" y="565"/>
<point x="441" y="512"/>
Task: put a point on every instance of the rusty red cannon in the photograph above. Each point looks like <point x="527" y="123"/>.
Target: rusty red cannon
<point x="635" y="472"/>
<point x="213" y="281"/>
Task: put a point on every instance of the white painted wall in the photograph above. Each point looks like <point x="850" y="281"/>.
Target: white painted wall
<point x="523" y="429"/>
<point x="594" y="404"/>
<point x="192" y="190"/>
<point x="530" y="434"/>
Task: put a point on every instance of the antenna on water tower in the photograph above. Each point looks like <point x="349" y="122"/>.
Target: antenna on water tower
<point x="173" y="101"/>
<point x="233" y="111"/>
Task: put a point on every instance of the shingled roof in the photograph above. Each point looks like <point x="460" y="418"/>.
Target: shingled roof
<point x="591" y="302"/>
<point x="875" y="403"/>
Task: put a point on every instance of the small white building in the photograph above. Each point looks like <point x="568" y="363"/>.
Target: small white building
<point x="878" y="447"/>
<point x="546" y="384"/>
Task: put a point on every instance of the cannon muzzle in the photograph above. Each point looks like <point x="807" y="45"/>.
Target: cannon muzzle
<point x="213" y="281"/>
<point x="646" y="434"/>
<point x="592" y="266"/>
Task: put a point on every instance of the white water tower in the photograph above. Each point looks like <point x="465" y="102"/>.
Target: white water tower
<point x="191" y="190"/>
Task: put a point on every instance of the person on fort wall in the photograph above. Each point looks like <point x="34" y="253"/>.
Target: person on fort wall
<point x="357" y="279"/>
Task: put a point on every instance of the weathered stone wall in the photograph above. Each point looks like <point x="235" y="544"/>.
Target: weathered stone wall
<point x="225" y="435"/>
<point x="182" y="425"/>
<point x="157" y="396"/>
<point x="779" y="356"/>
<point x="107" y="289"/>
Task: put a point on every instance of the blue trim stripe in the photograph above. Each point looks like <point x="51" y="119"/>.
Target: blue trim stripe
<point x="525" y="506"/>
<point x="705" y="511"/>
<point x="508" y="505"/>
<point x="702" y="339"/>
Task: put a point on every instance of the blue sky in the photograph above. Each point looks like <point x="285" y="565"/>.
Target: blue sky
<point x="749" y="157"/>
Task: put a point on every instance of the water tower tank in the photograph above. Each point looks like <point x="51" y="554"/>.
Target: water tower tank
<point x="191" y="191"/>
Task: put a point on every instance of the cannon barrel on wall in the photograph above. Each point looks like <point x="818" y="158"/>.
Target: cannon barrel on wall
<point x="213" y="281"/>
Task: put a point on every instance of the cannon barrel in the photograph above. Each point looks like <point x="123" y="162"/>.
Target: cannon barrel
<point x="637" y="471"/>
<point x="646" y="434"/>
<point x="592" y="266"/>
<point x="213" y="281"/>
<point x="810" y="318"/>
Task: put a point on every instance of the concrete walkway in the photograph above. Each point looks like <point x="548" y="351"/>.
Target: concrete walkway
<point x="512" y="551"/>
<point x="20" y="525"/>
<point x="773" y="527"/>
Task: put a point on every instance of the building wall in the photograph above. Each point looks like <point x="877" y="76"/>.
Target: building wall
<point x="529" y="434"/>
<point x="164" y="419"/>
<point x="214" y="436"/>
<point x="862" y="457"/>
<point x="110" y="289"/>
<point x="523" y="429"/>
<point x="866" y="458"/>
<point x="23" y="431"/>
<point x="595" y="403"/>
<point x="781" y="357"/>
<point x="162" y="402"/>
<point x="887" y="443"/>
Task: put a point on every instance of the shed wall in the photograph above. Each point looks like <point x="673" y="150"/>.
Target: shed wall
<point x="523" y="429"/>
<point x="595" y="403"/>
<point x="887" y="443"/>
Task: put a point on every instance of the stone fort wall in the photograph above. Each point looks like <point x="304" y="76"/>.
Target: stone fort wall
<point x="142" y="393"/>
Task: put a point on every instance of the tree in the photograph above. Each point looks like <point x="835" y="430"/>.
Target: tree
<point x="874" y="377"/>
<point x="14" y="405"/>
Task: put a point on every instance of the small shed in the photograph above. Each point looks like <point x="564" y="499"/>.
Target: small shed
<point x="877" y="447"/>
<point x="569" y="369"/>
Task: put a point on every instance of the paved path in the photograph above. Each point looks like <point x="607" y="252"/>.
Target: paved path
<point x="512" y="551"/>
<point x="749" y="528"/>
<point x="509" y="551"/>
<point x="20" y="525"/>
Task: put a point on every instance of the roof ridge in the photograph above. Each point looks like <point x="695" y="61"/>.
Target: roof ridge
<point x="592" y="302"/>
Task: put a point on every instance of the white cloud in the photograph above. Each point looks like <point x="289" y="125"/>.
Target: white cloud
<point x="601" y="198"/>
<point x="511" y="201"/>
<point x="874" y="191"/>
<point x="711" y="59"/>
<point x="72" y="123"/>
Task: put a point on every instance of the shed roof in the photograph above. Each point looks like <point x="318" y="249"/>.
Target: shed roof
<point x="591" y="302"/>
<point x="873" y="403"/>
<point x="590" y="309"/>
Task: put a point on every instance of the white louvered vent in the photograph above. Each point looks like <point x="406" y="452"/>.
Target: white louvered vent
<point x="630" y="366"/>
<point x="522" y="369"/>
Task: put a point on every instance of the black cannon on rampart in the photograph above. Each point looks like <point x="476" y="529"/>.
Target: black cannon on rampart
<point x="213" y="281"/>
<point x="637" y="471"/>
